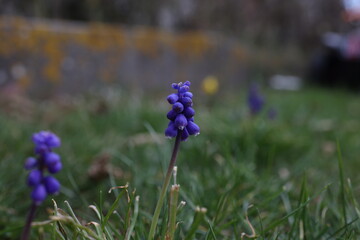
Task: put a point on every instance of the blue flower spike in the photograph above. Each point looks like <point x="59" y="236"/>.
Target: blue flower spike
<point x="181" y="115"/>
<point x="181" y="126"/>
<point x="255" y="100"/>
<point x="43" y="184"/>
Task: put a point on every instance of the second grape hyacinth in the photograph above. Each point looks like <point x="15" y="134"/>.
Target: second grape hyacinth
<point x="181" y="115"/>
<point x="43" y="185"/>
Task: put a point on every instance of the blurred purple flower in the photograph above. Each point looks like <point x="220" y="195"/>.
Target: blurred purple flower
<point x="44" y="141"/>
<point x="43" y="185"/>
<point x="255" y="100"/>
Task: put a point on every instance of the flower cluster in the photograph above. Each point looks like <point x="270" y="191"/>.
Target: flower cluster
<point x="181" y="115"/>
<point x="255" y="100"/>
<point x="46" y="159"/>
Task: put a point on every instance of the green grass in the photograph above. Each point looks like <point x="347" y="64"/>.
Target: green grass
<point x="285" y="175"/>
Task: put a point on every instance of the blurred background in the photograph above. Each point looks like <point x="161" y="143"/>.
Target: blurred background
<point x="66" y="46"/>
<point x="275" y="88"/>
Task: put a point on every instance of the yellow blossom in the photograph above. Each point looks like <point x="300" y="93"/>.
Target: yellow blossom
<point x="210" y="85"/>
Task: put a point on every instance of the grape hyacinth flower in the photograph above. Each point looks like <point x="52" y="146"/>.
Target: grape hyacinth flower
<point x="255" y="100"/>
<point x="42" y="184"/>
<point x="181" y="126"/>
<point x="181" y="115"/>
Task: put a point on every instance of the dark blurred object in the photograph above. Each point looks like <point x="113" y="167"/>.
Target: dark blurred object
<point x="101" y="168"/>
<point x="337" y="63"/>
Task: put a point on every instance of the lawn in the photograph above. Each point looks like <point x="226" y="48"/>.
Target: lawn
<point x="281" y="174"/>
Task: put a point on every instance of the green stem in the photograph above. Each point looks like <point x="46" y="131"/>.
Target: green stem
<point x="164" y="187"/>
<point x="174" y="196"/>
<point x="198" y="218"/>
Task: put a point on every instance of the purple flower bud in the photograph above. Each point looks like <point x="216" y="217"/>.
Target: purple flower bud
<point x="192" y="128"/>
<point x="175" y="86"/>
<point x="38" y="138"/>
<point x="34" y="178"/>
<point x="188" y="94"/>
<point x="181" y="121"/>
<point x="47" y="138"/>
<point x="51" y="184"/>
<point x="184" y="89"/>
<point x="52" y="141"/>
<point x="171" y="115"/>
<point x="184" y="135"/>
<point x="172" y="98"/>
<point x="186" y="101"/>
<point x="41" y="149"/>
<point x="187" y="83"/>
<point x="191" y="119"/>
<point x="38" y="194"/>
<point x="189" y="112"/>
<point x="30" y="163"/>
<point x="171" y="131"/>
<point x="55" y="167"/>
<point x="178" y="107"/>
<point x="51" y="158"/>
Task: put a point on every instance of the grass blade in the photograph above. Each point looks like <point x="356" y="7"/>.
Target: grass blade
<point x="114" y="205"/>
<point x="134" y="218"/>
<point x="74" y="216"/>
<point x="342" y="185"/>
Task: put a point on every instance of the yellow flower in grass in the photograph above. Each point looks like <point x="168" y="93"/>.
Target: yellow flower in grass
<point x="210" y="85"/>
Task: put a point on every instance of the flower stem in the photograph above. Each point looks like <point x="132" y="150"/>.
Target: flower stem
<point x="26" y="231"/>
<point x="174" y="196"/>
<point x="164" y="187"/>
<point x="198" y="218"/>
